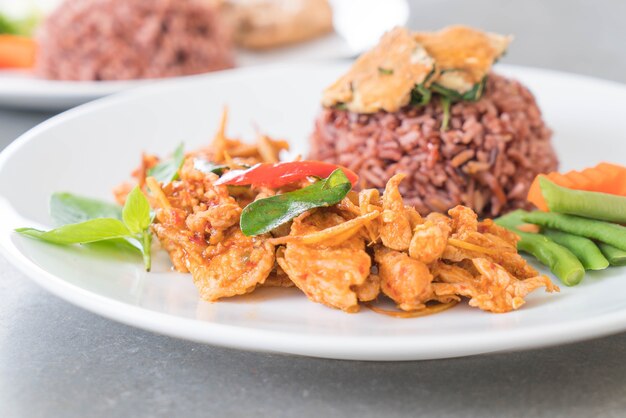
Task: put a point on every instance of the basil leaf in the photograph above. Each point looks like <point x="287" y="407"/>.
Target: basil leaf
<point x="90" y="221"/>
<point x="263" y="215"/>
<point x="66" y="208"/>
<point x="167" y="171"/>
<point x="89" y="231"/>
<point x="385" y="71"/>
<point x="136" y="212"/>
<point x="123" y="245"/>
<point x="137" y="218"/>
<point x="206" y="167"/>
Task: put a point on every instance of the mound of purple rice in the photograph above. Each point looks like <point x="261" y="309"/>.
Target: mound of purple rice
<point x="121" y="40"/>
<point x="486" y="160"/>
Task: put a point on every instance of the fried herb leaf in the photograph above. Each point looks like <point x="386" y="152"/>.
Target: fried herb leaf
<point x="476" y="92"/>
<point x="471" y="95"/>
<point x="420" y="95"/>
<point x="206" y="167"/>
<point x="167" y="171"/>
<point x="263" y="215"/>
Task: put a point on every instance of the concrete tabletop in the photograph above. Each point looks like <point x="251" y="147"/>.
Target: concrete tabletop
<point x="59" y="360"/>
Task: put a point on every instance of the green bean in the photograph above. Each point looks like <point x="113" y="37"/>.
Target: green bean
<point x="615" y="256"/>
<point x="559" y="259"/>
<point x="594" y="205"/>
<point x="583" y="248"/>
<point x="607" y="232"/>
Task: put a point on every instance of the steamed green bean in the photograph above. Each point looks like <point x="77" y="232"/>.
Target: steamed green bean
<point x="615" y="256"/>
<point x="583" y="248"/>
<point x="607" y="232"/>
<point x="561" y="261"/>
<point x="594" y="205"/>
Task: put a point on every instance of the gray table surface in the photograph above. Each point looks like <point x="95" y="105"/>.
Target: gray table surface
<point x="58" y="360"/>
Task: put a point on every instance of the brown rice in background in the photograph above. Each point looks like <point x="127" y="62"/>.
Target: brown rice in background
<point x="486" y="160"/>
<point x="122" y="39"/>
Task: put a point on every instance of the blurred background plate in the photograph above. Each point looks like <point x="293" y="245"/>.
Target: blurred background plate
<point x="358" y="26"/>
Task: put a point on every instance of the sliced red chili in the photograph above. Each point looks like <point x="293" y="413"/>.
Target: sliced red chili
<point x="281" y="174"/>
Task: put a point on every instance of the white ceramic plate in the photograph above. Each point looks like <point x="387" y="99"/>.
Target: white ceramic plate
<point x="22" y="90"/>
<point x="90" y="149"/>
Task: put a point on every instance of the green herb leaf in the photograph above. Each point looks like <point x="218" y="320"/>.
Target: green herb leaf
<point x="451" y="70"/>
<point x="23" y="27"/>
<point x="117" y="245"/>
<point x="89" y="221"/>
<point x="136" y="212"/>
<point x="385" y="71"/>
<point x="263" y="215"/>
<point x="7" y="26"/>
<point x="167" y="171"/>
<point x="89" y="231"/>
<point x="471" y="95"/>
<point x="476" y="92"/>
<point x="420" y="95"/>
<point x="146" y="248"/>
<point x="67" y="208"/>
<point x="450" y="94"/>
<point x="136" y="215"/>
<point x="206" y="167"/>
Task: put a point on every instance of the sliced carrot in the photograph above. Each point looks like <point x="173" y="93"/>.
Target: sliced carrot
<point x="535" y="196"/>
<point x="604" y="178"/>
<point x="581" y="182"/>
<point x="17" y="51"/>
<point x="595" y="176"/>
<point x="562" y="180"/>
<point x="601" y="182"/>
<point x="608" y="168"/>
<point x="615" y="182"/>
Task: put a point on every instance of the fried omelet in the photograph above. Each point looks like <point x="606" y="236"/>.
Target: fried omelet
<point x="456" y="58"/>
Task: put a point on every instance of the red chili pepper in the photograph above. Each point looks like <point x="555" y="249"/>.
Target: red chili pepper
<point x="281" y="174"/>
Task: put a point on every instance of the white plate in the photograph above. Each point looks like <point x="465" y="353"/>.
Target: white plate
<point x="90" y="149"/>
<point x="22" y="90"/>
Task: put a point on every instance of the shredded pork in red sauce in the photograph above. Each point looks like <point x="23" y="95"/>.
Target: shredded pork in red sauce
<point x="365" y="247"/>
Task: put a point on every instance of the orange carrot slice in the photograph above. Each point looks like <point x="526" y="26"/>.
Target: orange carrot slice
<point x="563" y="180"/>
<point x="581" y="182"/>
<point x="535" y="196"/>
<point x="17" y="51"/>
<point x="615" y="181"/>
<point x="594" y="175"/>
<point x="604" y="178"/>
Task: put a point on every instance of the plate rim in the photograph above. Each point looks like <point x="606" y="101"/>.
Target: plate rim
<point x="61" y="95"/>
<point x="413" y="347"/>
